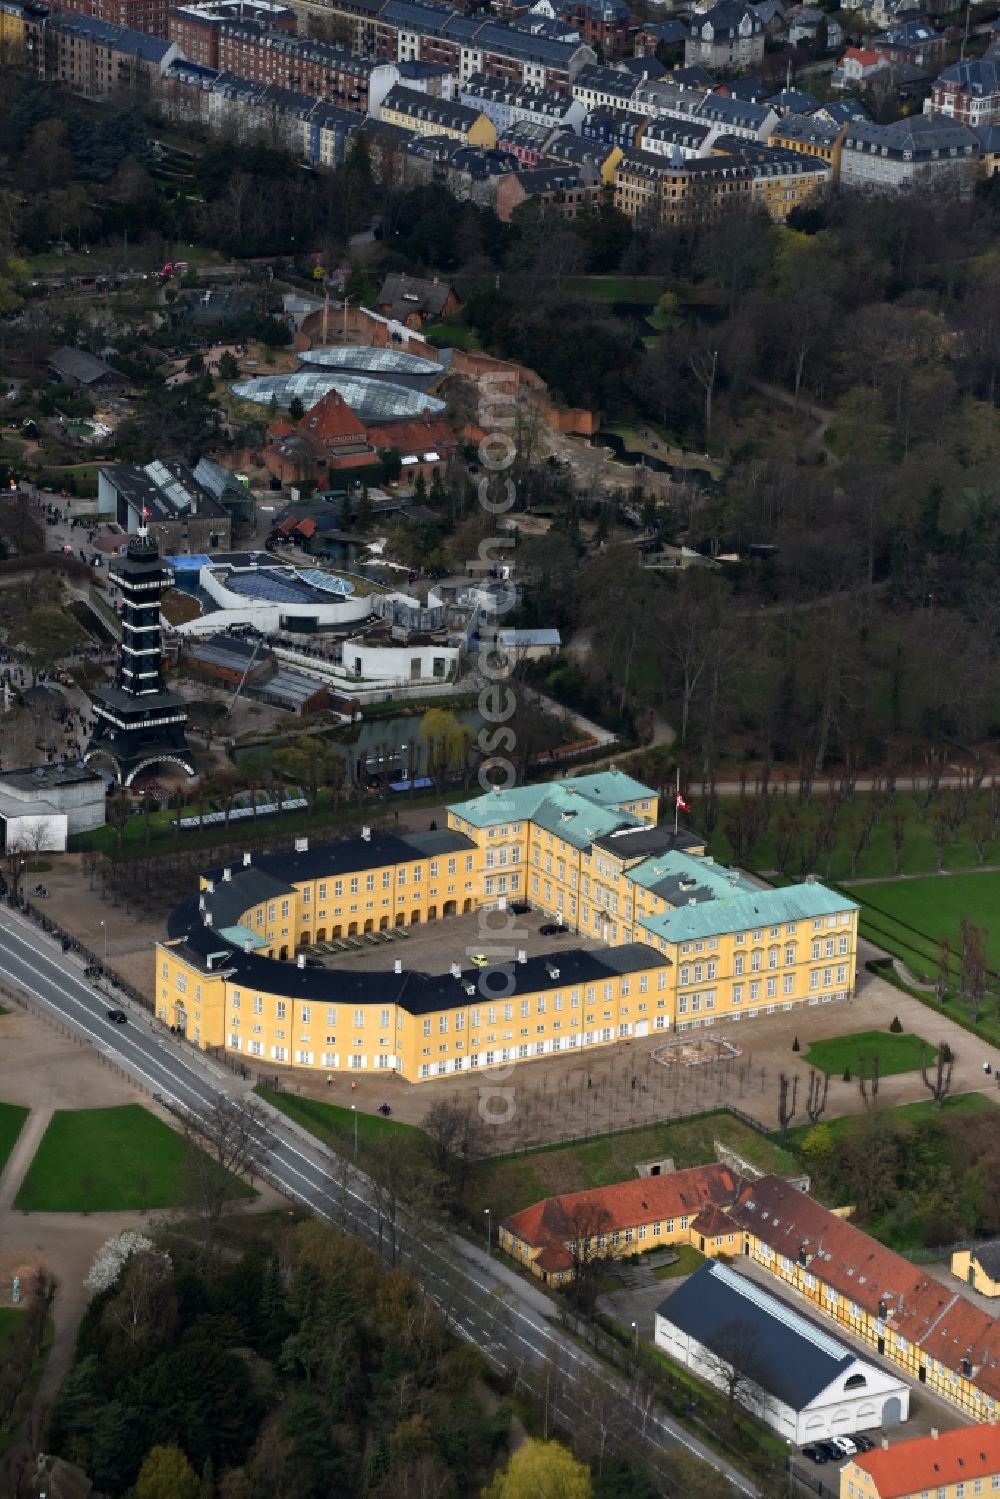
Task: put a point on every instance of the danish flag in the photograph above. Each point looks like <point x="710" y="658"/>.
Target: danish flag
<point x="681" y="804"/>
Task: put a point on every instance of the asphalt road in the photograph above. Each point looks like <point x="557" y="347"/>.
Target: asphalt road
<point x="513" y="1323"/>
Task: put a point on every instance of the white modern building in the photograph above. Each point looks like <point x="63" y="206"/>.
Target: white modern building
<point x="795" y="1377"/>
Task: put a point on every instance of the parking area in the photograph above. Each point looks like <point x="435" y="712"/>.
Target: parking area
<point x="435" y="946"/>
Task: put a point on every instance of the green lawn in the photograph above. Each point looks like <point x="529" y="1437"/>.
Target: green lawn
<point x="109" y="1160"/>
<point x="334" y="1124"/>
<point x="506" y="1184"/>
<point x="452" y="336"/>
<point x="687" y="1262"/>
<point x="960" y="1103"/>
<point x="12" y="1118"/>
<point x="896" y="1053"/>
<point x="644" y="289"/>
<point x="933" y="908"/>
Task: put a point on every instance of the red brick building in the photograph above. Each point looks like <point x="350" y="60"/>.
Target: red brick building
<point x="149" y="16"/>
<point x="196" y="28"/>
<point x="296" y="63"/>
<point x="330" y="441"/>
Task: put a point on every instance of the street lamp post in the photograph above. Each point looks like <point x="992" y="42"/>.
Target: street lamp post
<point x="104" y="929"/>
<point x="489" y="1232"/>
<point x="354" y="1111"/>
<point x="635" y="1341"/>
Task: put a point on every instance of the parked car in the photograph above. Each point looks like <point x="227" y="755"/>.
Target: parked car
<point x="118" y="1017"/>
<point x="519" y="907"/>
<point x="863" y="1443"/>
<point x="846" y="1446"/>
<point x="551" y="929"/>
<point x="831" y="1451"/>
<point x="479" y="960"/>
<point x="816" y="1452"/>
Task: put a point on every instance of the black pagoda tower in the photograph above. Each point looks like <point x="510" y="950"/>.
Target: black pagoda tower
<point x="140" y="723"/>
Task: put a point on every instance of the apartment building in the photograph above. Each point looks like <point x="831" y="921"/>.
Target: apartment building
<point x="412" y="110"/>
<point x="811" y="137"/>
<point x="149" y="16"/>
<point x="967" y="92"/>
<point x="196" y="28"/>
<point x="729" y="35"/>
<point x="687" y="942"/>
<point x="296" y="63"/>
<point x="94" y="57"/>
<point x="918" y="152"/>
<point x="659" y="189"/>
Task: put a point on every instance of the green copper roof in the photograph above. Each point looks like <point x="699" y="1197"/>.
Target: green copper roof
<point x="669" y="872"/>
<point x="242" y="936"/>
<point x="604" y="790"/>
<point x="741" y="912"/>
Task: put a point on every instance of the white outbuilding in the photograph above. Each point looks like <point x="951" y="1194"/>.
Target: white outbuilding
<point x="793" y="1375"/>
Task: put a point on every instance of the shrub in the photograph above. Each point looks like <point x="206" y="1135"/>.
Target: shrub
<point x="795" y="1045"/>
<point x="847" y="1074"/>
<point x="896" y="1026"/>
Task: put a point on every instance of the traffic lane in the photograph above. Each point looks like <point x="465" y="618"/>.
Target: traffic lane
<point x="67" y="995"/>
<point x="52" y="981"/>
<point x="463" y="1296"/>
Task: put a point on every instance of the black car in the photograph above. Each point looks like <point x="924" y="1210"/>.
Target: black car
<point x="118" y="1017"/>
<point x="815" y="1452"/>
<point x="863" y="1443"/>
<point x="519" y="907"/>
<point x="551" y="929"/>
<point x="831" y="1452"/>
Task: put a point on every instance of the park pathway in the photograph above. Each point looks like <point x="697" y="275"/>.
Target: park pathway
<point x="22" y="1155"/>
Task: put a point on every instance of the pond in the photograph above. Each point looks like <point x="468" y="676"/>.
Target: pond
<point x="374" y="745"/>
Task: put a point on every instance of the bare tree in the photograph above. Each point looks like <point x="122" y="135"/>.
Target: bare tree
<point x="735" y="1363"/>
<point x="456" y="1137"/>
<point x="819" y="1087"/>
<point x="588" y="1225"/>
<point x="868" y="1079"/>
<point x="788" y="1092"/>
<point x="229" y="1138"/>
<point x="938" y="1083"/>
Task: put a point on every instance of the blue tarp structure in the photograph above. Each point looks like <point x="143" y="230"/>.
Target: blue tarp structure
<point x="188" y="564"/>
<point x="422" y="783"/>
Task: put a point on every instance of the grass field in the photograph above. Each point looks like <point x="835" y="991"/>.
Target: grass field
<point x="638" y="289"/>
<point x="334" y="1125"/>
<point x="896" y="1053"/>
<point x="452" y="336"/>
<point x="961" y="1103"/>
<point x="109" y="1160"/>
<point x="935" y="908"/>
<point x="12" y="1118"/>
<point x="506" y="1184"/>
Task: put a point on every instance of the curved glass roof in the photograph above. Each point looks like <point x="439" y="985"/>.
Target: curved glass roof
<point x="371" y="400"/>
<point x="376" y="361"/>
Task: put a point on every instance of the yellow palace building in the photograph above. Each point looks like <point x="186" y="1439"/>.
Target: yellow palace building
<point x="675" y="940"/>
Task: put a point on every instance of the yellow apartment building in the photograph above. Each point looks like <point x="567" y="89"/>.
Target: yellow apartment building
<point x="686" y="942"/>
<point x="11" y="31"/>
<point x="412" y="110"/>
<point x="962" y="1464"/>
<point x="812" y="138"/>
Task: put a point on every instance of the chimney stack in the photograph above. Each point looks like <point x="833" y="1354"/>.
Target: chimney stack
<point x="522" y="955"/>
<point x="366" y="834"/>
<point x="246" y="859"/>
<point x="397" y="966"/>
<point x="227" y="873"/>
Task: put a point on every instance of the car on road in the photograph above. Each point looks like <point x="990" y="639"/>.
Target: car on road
<point x="118" y="1017"/>
<point x="551" y="929"/>
<point x="519" y="907"/>
<point x="479" y="960"/>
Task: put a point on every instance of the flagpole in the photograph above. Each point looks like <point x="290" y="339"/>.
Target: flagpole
<point x="677" y="800"/>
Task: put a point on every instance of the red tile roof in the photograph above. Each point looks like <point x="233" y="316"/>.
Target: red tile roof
<point x="415" y="436"/>
<point x="864" y="55"/>
<point x="713" y="1221"/>
<point x="937" y="1319"/>
<point x="648" y="1199"/>
<point x="929" y="1463"/>
<point x="332" y="420"/>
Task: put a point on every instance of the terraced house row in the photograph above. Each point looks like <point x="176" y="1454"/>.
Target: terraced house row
<point x="673" y="940"/>
<point x="925" y="1327"/>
